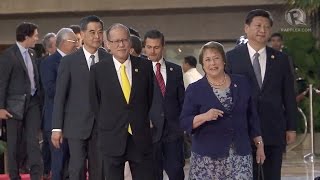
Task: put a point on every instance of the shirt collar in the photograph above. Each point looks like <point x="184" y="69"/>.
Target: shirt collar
<point x="117" y="64"/>
<point x="252" y="51"/>
<point x="61" y="52"/>
<point x="87" y="54"/>
<point x="21" y="48"/>
<point x="161" y="61"/>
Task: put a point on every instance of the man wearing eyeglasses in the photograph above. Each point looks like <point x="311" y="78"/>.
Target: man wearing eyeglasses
<point x="66" y="42"/>
<point x="121" y="91"/>
<point x="72" y="115"/>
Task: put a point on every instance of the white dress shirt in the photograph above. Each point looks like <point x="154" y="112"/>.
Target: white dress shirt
<point x="262" y="58"/>
<point x="61" y="53"/>
<point x="128" y="69"/>
<point x="163" y="69"/>
<point x="191" y="76"/>
<point x="87" y="55"/>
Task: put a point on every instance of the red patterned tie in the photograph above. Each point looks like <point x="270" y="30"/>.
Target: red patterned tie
<point x="160" y="79"/>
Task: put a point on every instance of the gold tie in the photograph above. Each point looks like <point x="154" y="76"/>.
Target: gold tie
<point x="125" y="87"/>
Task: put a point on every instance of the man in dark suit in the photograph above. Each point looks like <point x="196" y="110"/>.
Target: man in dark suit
<point x="122" y="87"/>
<point x="66" y="44"/>
<point x="49" y="44"/>
<point x="269" y="73"/>
<point x="72" y="115"/>
<point x="19" y="77"/>
<point x="166" y="107"/>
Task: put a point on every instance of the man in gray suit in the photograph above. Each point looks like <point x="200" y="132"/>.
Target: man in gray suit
<point x="72" y="115"/>
<point x="19" y="79"/>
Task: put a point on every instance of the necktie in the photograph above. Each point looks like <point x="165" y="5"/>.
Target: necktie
<point x="160" y="79"/>
<point x="257" y="68"/>
<point x="92" y="60"/>
<point x="29" y="65"/>
<point x="125" y="87"/>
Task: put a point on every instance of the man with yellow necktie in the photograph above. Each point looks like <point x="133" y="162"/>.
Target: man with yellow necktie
<point x="121" y="95"/>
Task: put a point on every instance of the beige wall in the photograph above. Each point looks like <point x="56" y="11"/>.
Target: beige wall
<point x="52" y="6"/>
<point x="192" y="25"/>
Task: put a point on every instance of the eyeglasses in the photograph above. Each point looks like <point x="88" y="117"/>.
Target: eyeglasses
<point x="73" y="41"/>
<point x="124" y="41"/>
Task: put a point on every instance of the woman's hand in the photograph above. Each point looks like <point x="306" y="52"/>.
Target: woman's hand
<point x="213" y="114"/>
<point x="260" y="156"/>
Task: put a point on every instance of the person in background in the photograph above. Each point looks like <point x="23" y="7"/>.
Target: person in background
<point x="220" y="114"/>
<point x="166" y="107"/>
<point x="49" y="44"/>
<point x="191" y="74"/>
<point x="76" y="29"/>
<point x="66" y="44"/>
<point x="272" y="83"/>
<point x="73" y="117"/>
<point x="136" y="46"/>
<point x="19" y="79"/>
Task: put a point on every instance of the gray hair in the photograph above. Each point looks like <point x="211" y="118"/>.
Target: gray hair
<point x="46" y="40"/>
<point x="116" y="26"/>
<point x="63" y="35"/>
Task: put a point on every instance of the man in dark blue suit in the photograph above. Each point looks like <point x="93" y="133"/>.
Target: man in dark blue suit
<point x="166" y="107"/>
<point x="273" y="91"/>
<point x="66" y="43"/>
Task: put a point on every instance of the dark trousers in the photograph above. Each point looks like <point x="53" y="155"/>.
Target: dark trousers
<point x="169" y="156"/>
<point x="29" y="128"/>
<point x="141" y="165"/>
<point x="272" y="164"/>
<point x="46" y="153"/>
<point x="80" y="151"/>
<point x="59" y="159"/>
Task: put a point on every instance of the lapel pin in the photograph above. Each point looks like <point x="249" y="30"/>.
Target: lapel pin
<point x="31" y="54"/>
<point x="171" y="69"/>
<point x="272" y="56"/>
<point x="136" y="70"/>
<point x="235" y="85"/>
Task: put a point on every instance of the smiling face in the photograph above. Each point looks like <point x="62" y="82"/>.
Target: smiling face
<point x="92" y="36"/>
<point x="258" y="31"/>
<point x="119" y="43"/>
<point x="213" y="63"/>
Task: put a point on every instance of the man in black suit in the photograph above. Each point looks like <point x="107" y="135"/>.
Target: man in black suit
<point x="19" y="77"/>
<point x="72" y="115"/>
<point x="166" y="107"/>
<point x="269" y="73"/>
<point x="66" y="43"/>
<point x="49" y="44"/>
<point x="122" y="87"/>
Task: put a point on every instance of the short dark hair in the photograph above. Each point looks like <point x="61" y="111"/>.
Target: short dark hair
<point x="25" y="29"/>
<point x="136" y="44"/>
<point x="276" y="35"/>
<point x="213" y="46"/>
<point x="75" y="28"/>
<point x="258" y="12"/>
<point x="134" y="32"/>
<point x="191" y="60"/>
<point x="154" y="34"/>
<point x="88" y="19"/>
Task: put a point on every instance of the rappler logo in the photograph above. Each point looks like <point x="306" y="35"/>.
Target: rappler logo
<point x="296" y="17"/>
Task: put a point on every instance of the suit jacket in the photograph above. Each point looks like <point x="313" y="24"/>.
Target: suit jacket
<point x="72" y="112"/>
<point x="112" y="111"/>
<point x="275" y="100"/>
<point x="165" y="110"/>
<point x="14" y="79"/>
<point x="238" y="125"/>
<point x="48" y="73"/>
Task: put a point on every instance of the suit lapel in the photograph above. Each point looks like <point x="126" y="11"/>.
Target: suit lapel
<point x="234" y="92"/>
<point x="134" y="75"/>
<point x="247" y="60"/>
<point x="170" y="77"/>
<point x="83" y="60"/>
<point x="20" y="58"/>
<point x="270" y="58"/>
<point x="211" y="96"/>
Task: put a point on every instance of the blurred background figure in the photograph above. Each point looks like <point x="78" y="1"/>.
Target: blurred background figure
<point x="136" y="46"/>
<point x="76" y="30"/>
<point x="191" y="74"/>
